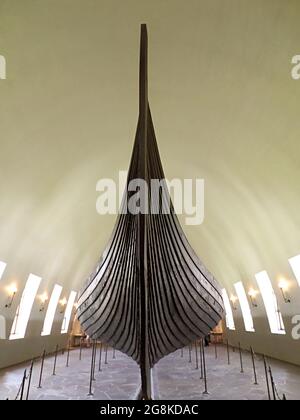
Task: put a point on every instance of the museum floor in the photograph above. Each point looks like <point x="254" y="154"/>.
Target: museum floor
<point x="174" y="377"/>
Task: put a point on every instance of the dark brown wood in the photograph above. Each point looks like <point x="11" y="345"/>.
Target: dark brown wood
<point x="149" y="294"/>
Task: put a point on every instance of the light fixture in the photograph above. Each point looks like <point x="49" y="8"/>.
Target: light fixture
<point x="283" y="286"/>
<point x="233" y="300"/>
<point x="252" y="294"/>
<point x="63" y="303"/>
<point x="43" y="298"/>
<point x="12" y="290"/>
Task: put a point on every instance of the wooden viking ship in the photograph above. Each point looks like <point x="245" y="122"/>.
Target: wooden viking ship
<point x="149" y="294"/>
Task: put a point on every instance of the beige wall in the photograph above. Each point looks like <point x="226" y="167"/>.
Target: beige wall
<point x="225" y="109"/>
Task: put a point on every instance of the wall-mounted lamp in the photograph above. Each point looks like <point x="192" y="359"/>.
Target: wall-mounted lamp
<point x="283" y="286"/>
<point x="43" y="299"/>
<point x="63" y="303"/>
<point x="233" y="300"/>
<point x="12" y="290"/>
<point x="252" y="294"/>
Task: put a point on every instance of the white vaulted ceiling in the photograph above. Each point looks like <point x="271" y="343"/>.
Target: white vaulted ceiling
<point x="225" y="109"/>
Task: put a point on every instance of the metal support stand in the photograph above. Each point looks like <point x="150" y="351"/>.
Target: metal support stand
<point x="114" y="353"/>
<point x="205" y="392"/>
<point x="267" y="377"/>
<point x="201" y="359"/>
<point x="100" y="357"/>
<point x="95" y="356"/>
<point x="106" y="350"/>
<point x="29" y="379"/>
<point x="55" y="359"/>
<point x="254" y="367"/>
<point x="196" y="354"/>
<point x="23" y="385"/>
<point x="68" y="355"/>
<point x="181" y="355"/>
<point x="216" y="351"/>
<point x="272" y="383"/>
<point x="92" y="371"/>
<point x="80" y="349"/>
<point x="190" y="353"/>
<point x="228" y="354"/>
<point x="241" y="358"/>
<point x="42" y="368"/>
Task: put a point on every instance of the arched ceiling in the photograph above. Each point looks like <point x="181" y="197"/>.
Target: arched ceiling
<point x="225" y="109"/>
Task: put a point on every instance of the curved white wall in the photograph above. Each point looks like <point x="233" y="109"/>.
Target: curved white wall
<point x="225" y="109"/>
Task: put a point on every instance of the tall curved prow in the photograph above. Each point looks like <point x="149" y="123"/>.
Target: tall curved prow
<point x="150" y="294"/>
<point x="142" y="260"/>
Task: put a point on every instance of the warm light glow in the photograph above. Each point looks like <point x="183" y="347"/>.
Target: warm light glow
<point x="252" y="293"/>
<point x="295" y="264"/>
<point x="63" y="302"/>
<point x="283" y="284"/>
<point x="233" y="299"/>
<point x="12" y="289"/>
<point x="44" y="297"/>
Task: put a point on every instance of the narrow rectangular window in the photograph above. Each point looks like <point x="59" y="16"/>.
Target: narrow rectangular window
<point x="270" y="301"/>
<point x="246" y="312"/>
<point x="228" y="311"/>
<point x="68" y="312"/>
<point x="295" y="264"/>
<point x="23" y="312"/>
<point x="49" y="318"/>
<point x="2" y="268"/>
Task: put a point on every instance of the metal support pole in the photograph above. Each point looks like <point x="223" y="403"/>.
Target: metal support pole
<point x="181" y="355"/>
<point x="241" y="358"/>
<point x="106" y="350"/>
<point x="267" y="377"/>
<point x="196" y="354"/>
<point x="68" y="355"/>
<point x="29" y="379"/>
<point x="80" y="349"/>
<point x="201" y="360"/>
<point x="55" y="359"/>
<point x="95" y="355"/>
<point x="205" y="392"/>
<point x="91" y="372"/>
<point x="100" y="356"/>
<point x="114" y="353"/>
<point x="190" y="353"/>
<point x="23" y="385"/>
<point x="228" y="354"/>
<point x="254" y="367"/>
<point x="272" y="383"/>
<point x="216" y="351"/>
<point x="42" y="368"/>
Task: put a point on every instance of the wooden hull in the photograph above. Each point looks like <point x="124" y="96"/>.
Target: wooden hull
<point x="150" y="294"/>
